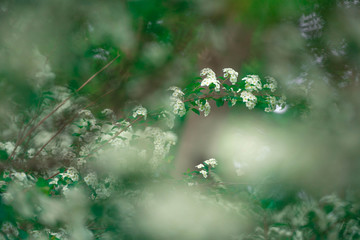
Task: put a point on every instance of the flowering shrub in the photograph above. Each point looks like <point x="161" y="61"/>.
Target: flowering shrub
<point x="93" y="178"/>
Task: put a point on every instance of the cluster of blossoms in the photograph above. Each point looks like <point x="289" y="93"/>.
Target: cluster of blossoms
<point x="232" y="73"/>
<point x="71" y="173"/>
<point x="8" y="147"/>
<point x="249" y="99"/>
<point x="103" y="188"/>
<point x="244" y="89"/>
<point x="252" y="83"/>
<point x="210" y="78"/>
<point x="162" y="140"/>
<point x="271" y="103"/>
<point x="90" y="139"/>
<point x="203" y="107"/>
<point x="271" y="84"/>
<point x="206" y="165"/>
<point x="139" y="111"/>
<point x="176" y="101"/>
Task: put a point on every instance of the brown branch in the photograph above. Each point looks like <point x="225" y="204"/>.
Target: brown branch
<point x="56" y="108"/>
<point x="54" y="175"/>
<point x="67" y="123"/>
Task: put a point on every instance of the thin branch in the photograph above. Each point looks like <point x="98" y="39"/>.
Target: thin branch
<point x="67" y="123"/>
<point x="56" y="108"/>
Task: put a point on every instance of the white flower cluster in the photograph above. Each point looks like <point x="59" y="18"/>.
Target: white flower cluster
<point x="87" y="122"/>
<point x="204" y="173"/>
<point x="252" y="83"/>
<point x="281" y="102"/>
<point x="108" y="131"/>
<point x="271" y="84"/>
<point x="249" y="99"/>
<point x="107" y="112"/>
<point x="71" y="173"/>
<point x="271" y="103"/>
<point x="177" y="93"/>
<point x="209" y="79"/>
<point x="8" y="147"/>
<point x="233" y="74"/>
<point x="162" y="143"/>
<point x="9" y="230"/>
<point x="91" y="180"/>
<point x="204" y="107"/>
<point x="139" y="110"/>
<point x="234" y="99"/>
<point x="210" y="163"/>
<point x="103" y="189"/>
<point x="169" y="118"/>
<point x="20" y="178"/>
<point x="176" y="101"/>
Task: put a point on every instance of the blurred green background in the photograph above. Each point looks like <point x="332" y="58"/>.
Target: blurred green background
<point x="311" y="47"/>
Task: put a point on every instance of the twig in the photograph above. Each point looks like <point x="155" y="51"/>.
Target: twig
<point x="56" y="108"/>
<point x="67" y="123"/>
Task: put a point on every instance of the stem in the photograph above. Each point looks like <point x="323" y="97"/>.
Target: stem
<point x="67" y="123"/>
<point x="57" y="107"/>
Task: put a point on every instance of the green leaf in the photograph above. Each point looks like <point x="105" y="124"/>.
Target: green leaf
<point x="219" y="102"/>
<point x="42" y="182"/>
<point x="3" y="155"/>
<point x="226" y="86"/>
<point x="195" y="111"/>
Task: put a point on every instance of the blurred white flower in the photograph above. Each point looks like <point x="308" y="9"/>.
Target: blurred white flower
<point x="209" y="79"/>
<point x="249" y="99"/>
<point x="178" y="107"/>
<point x="212" y="162"/>
<point x="139" y="110"/>
<point x="200" y="166"/>
<point x="204" y="173"/>
<point x="204" y="107"/>
<point x="233" y="74"/>
<point x="271" y="84"/>
<point x="252" y="82"/>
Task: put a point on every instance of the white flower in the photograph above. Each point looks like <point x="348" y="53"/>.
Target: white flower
<point x="8" y="147"/>
<point x="252" y="82"/>
<point x="177" y="92"/>
<point x="271" y="84"/>
<point x="200" y="166"/>
<point x="140" y="110"/>
<point x="169" y="118"/>
<point x="20" y="176"/>
<point x="233" y="74"/>
<point x="209" y="79"/>
<point x="249" y="99"/>
<point x="54" y="181"/>
<point x="204" y="173"/>
<point x="176" y="101"/>
<point x="31" y="152"/>
<point x="212" y="162"/>
<point x="91" y="180"/>
<point x="271" y="104"/>
<point x="86" y="113"/>
<point x="204" y="107"/>
<point x="178" y="107"/>
<point x="71" y="173"/>
<point x="107" y="112"/>
<point x="282" y="102"/>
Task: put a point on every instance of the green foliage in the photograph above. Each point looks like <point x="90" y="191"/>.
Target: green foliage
<point x="71" y="168"/>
